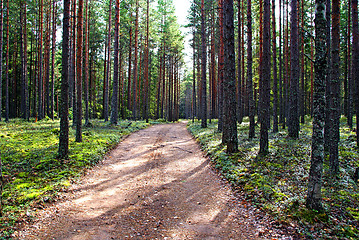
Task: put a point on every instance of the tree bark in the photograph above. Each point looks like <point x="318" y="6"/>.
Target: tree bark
<point x="251" y="102"/>
<point x="293" y="121"/>
<point x="355" y="59"/>
<point x="220" y="68"/>
<point x="265" y="92"/>
<point x="229" y="136"/>
<point x="335" y="82"/>
<point x="135" y="68"/>
<point x="79" y="65"/>
<point x="115" y="86"/>
<point x="64" y="111"/>
<point x="314" y="198"/>
<point x="275" y="83"/>
<point x="1" y="51"/>
<point x="203" y="69"/>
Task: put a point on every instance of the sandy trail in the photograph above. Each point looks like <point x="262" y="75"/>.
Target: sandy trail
<point x="155" y="185"/>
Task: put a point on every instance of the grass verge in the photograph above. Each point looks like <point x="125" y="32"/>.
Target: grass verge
<point x="33" y="175"/>
<point x="277" y="183"/>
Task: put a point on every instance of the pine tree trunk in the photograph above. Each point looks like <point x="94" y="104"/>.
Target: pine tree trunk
<point x="115" y="86"/>
<point x="106" y="87"/>
<point x="79" y="65"/>
<point x="220" y="67"/>
<point x="7" y="64"/>
<point x="64" y="111"/>
<point x="239" y="67"/>
<point x="146" y="89"/>
<point x="203" y="69"/>
<point x="229" y="136"/>
<point x="328" y="127"/>
<point x="251" y="102"/>
<point x="129" y="90"/>
<point x="1" y="51"/>
<point x="355" y="59"/>
<point x="275" y="83"/>
<point x="302" y="73"/>
<point x="265" y="91"/>
<point x="54" y="19"/>
<point x="335" y="82"/>
<point x="40" y="80"/>
<point x="194" y="99"/>
<point x="314" y="198"/>
<point x="293" y="120"/>
<point x="349" y="72"/>
<point x="281" y="110"/>
<point x="23" y="53"/>
<point x="135" y="68"/>
<point x="86" y="68"/>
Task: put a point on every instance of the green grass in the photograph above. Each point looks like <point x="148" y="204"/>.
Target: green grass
<point x="277" y="183"/>
<point x="34" y="175"/>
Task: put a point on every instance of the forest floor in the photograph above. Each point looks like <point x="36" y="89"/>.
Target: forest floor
<point x="156" y="184"/>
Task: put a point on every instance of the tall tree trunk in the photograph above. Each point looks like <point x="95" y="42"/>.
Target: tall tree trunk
<point x="349" y="72"/>
<point x="106" y="87"/>
<point x="146" y="89"/>
<point x="355" y="59"/>
<point x="239" y="67"/>
<point x="281" y="110"/>
<point x="129" y="90"/>
<point x="229" y="136"/>
<point x="334" y="113"/>
<point x="203" y="69"/>
<point x="251" y="102"/>
<point x="7" y="63"/>
<point x="194" y="99"/>
<point x="293" y="121"/>
<point x="115" y="86"/>
<point x="265" y="92"/>
<point x="64" y="111"/>
<point x="73" y="64"/>
<point x="54" y="19"/>
<point x="220" y="67"/>
<point x="314" y="198"/>
<point x="23" y="50"/>
<point x="275" y="83"/>
<point x="79" y="65"/>
<point x="328" y="127"/>
<point x="302" y="64"/>
<point x="135" y="68"/>
<point x="1" y="51"/>
<point x="86" y="62"/>
<point x="40" y="80"/>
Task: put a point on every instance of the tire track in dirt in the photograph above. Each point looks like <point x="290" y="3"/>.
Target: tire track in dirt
<point x="155" y="185"/>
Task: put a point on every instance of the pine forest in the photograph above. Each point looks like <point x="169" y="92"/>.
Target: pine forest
<point x="269" y="90"/>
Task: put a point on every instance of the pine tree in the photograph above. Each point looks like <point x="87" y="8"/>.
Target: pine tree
<point x="314" y="198"/>
<point x="265" y="91"/>
<point x="293" y="121"/>
<point x="64" y="111"/>
<point x="229" y="136"/>
<point x="115" y="86"/>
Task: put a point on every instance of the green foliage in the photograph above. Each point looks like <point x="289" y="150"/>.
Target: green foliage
<point x="31" y="171"/>
<point x="278" y="182"/>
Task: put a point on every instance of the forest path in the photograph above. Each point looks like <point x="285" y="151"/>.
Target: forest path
<point x="155" y="185"/>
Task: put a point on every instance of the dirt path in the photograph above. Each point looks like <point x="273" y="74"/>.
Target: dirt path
<point x="155" y="185"/>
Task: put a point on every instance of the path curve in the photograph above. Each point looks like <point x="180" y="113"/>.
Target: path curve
<point x="155" y="185"/>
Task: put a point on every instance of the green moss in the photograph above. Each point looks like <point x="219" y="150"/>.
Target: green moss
<point x="28" y="152"/>
<point x="277" y="183"/>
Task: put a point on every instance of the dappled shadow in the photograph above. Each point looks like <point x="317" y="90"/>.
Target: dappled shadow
<point x="158" y="187"/>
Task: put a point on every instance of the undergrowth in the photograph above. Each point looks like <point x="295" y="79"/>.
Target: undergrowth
<point x="277" y="183"/>
<point x="33" y="174"/>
